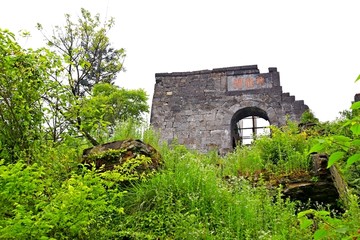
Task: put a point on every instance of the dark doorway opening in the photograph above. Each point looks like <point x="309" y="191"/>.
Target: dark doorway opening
<point x="247" y="124"/>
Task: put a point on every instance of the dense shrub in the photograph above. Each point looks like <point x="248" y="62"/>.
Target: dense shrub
<point x="36" y="206"/>
<point x="285" y="151"/>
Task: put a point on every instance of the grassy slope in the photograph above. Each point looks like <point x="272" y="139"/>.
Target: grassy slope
<point x="194" y="196"/>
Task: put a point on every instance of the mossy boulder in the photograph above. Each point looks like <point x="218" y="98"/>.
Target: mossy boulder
<point x="132" y="159"/>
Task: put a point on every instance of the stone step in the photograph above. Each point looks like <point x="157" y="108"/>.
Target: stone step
<point x="286" y="97"/>
<point x="286" y="94"/>
<point x="299" y="104"/>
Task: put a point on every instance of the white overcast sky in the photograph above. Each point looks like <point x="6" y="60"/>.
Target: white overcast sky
<point x="315" y="44"/>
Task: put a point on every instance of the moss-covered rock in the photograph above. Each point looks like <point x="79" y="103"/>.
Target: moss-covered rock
<point x="132" y="159"/>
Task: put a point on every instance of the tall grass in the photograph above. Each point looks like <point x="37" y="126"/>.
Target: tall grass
<point x="193" y="196"/>
<point x="135" y="130"/>
<point x="188" y="200"/>
<point x="285" y="152"/>
<point x="199" y="196"/>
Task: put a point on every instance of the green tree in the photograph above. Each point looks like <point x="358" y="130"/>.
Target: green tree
<point x="23" y="82"/>
<point x="108" y="105"/>
<point x="88" y="59"/>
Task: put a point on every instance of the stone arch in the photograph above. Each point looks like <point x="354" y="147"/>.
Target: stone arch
<point x="275" y="115"/>
<point x="241" y="114"/>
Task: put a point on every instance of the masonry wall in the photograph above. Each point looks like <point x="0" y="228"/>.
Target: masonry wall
<point x="196" y="108"/>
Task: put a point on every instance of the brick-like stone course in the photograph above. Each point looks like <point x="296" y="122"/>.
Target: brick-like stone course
<point x="197" y="108"/>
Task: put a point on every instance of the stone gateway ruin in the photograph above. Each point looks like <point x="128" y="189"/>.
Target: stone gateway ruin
<point x="220" y="108"/>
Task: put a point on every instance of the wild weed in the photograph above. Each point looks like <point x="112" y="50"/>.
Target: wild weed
<point x="188" y="200"/>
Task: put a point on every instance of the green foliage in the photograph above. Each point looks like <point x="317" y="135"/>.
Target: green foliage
<point x="126" y="104"/>
<point x="284" y="151"/>
<point x="133" y="169"/>
<point x="82" y="207"/>
<point x="128" y="130"/>
<point x="23" y="82"/>
<point x="308" y="117"/>
<point x="130" y="169"/>
<point x="88" y="57"/>
<point x="326" y="226"/>
<point x="110" y="155"/>
<point x="131" y="129"/>
<point x="83" y="100"/>
<point x="343" y="146"/>
<point x="109" y="105"/>
<point x="194" y="196"/>
<point x="340" y="141"/>
<point x="23" y="194"/>
<point x="45" y="195"/>
<point x="287" y="148"/>
<point x="36" y="206"/>
<point x="189" y="201"/>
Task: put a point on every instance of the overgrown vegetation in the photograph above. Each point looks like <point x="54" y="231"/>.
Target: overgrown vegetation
<point x="83" y="99"/>
<point x="286" y="151"/>
<point x="194" y="196"/>
<point x="46" y="123"/>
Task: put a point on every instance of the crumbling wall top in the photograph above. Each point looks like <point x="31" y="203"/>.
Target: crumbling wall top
<point x="239" y="70"/>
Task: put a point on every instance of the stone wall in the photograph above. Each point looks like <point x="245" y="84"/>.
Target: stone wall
<point x="197" y="108"/>
<point x="357" y="97"/>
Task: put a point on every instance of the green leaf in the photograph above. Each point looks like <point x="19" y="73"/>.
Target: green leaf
<point x="305" y="223"/>
<point x="355" y="142"/>
<point x="342" y="230"/>
<point x="355" y="105"/>
<point x="343" y="141"/>
<point x="336" y="156"/>
<point x="320" y="234"/>
<point x="306" y="212"/>
<point x="358" y="78"/>
<point x="323" y="213"/>
<point x="341" y="138"/>
<point x="347" y="123"/>
<point x="317" y="148"/>
<point x="352" y="159"/>
<point x="355" y="129"/>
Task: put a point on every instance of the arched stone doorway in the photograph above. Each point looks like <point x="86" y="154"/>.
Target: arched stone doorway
<point x="246" y="124"/>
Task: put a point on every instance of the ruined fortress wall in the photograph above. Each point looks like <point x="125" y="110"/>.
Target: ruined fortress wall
<point x="197" y="108"/>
